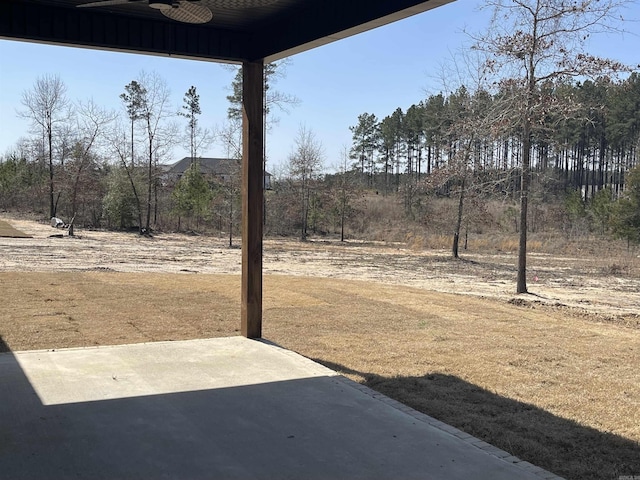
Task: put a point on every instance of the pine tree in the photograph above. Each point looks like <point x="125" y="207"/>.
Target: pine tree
<point x="625" y="217"/>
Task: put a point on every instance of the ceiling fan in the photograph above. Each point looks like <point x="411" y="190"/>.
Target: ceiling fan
<point x="186" y="11"/>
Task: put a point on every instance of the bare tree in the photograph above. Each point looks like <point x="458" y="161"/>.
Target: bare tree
<point x="47" y="106"/>
<point x="532" y="44"/>
<point x="117" y="144"/>
<point x="345" y="190"/>
<point x="154" y="113"/>
<point x="91" y="122"/>
<point x="305" y="164"/>
<point x="467" y="113"/>
<point x="230" y="137"/>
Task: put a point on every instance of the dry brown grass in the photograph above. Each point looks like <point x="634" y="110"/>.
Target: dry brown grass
<point x="6" y="230"/>
<point x="550" y="386"/>
<point x="58" y="310"/>
<point x="592" y="247"/>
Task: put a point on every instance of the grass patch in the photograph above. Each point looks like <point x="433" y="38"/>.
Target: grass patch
<point x="6" y="230"/>
<point x="556" y="389"/>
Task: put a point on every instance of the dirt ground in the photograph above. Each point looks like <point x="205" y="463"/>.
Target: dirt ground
<point x="550" y="376"/>
<point x="601" y="285"/>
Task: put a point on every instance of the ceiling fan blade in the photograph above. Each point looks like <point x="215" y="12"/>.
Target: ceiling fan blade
<point x="241" y="4"/>
<point x="107" y="3"/>
<point x="188" y="12"/>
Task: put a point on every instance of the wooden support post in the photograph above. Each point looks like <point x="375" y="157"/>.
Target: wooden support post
<point x="252" y="197"/>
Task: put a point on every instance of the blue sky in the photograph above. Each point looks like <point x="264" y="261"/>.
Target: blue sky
<point x="375" y="72"/>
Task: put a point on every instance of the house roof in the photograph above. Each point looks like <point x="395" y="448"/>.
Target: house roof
<point x="238" y="30"/>
<point x="212" y="166"/>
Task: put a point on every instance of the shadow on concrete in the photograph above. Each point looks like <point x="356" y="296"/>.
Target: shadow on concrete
<point x="319" y="427"/>
<point x="554" y="443"/>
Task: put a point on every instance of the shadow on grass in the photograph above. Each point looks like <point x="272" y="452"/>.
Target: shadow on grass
<point x="59" y="420"/>
<point x="3" y="346"/>
<point x="556" y="444"/>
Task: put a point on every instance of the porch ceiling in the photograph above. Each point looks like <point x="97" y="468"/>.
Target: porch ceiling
<point x="240" y="30"/>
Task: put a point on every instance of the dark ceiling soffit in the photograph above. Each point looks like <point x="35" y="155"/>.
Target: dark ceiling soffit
<point x="88" y="28"/>
<point x="308" y="24"/>
<point x="320" y="22"/>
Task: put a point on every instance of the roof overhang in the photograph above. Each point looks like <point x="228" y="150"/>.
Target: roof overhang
<point x="269" y="30"/>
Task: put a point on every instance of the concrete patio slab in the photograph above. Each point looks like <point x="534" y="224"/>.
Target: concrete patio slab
<point x="227" y="408"/>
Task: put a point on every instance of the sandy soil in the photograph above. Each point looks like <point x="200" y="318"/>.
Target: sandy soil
<point x="592" y="285"/>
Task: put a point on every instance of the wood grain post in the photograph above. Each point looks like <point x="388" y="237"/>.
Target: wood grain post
<point x="252" y="197"/>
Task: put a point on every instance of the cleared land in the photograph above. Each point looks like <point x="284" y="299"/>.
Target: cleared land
<point x="551" y="378"/>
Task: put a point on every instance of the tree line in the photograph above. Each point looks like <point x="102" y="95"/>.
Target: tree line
<point x="588" y="151"/>
<point x="104" y="169"/>
<point x="539" y="118"/>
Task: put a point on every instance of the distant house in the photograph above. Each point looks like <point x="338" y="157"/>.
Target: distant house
<point x="222" y="169"/>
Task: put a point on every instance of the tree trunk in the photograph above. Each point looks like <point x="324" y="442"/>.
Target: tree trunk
<point x="155" y="201"/>
<point x="386" y="174"/>
<point x="149" y="185"/>
<point x="71" y="233"/>
<point x="303" y="230"/>
<point x="231" y="218"/>
<point x="133" y="185"/>
<point x="342" y="216"/>
<point x="52" y="202"/>
<point x="456" y="233"/>
<point x="521" y="284"/>
<point x="133" y="165"/>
